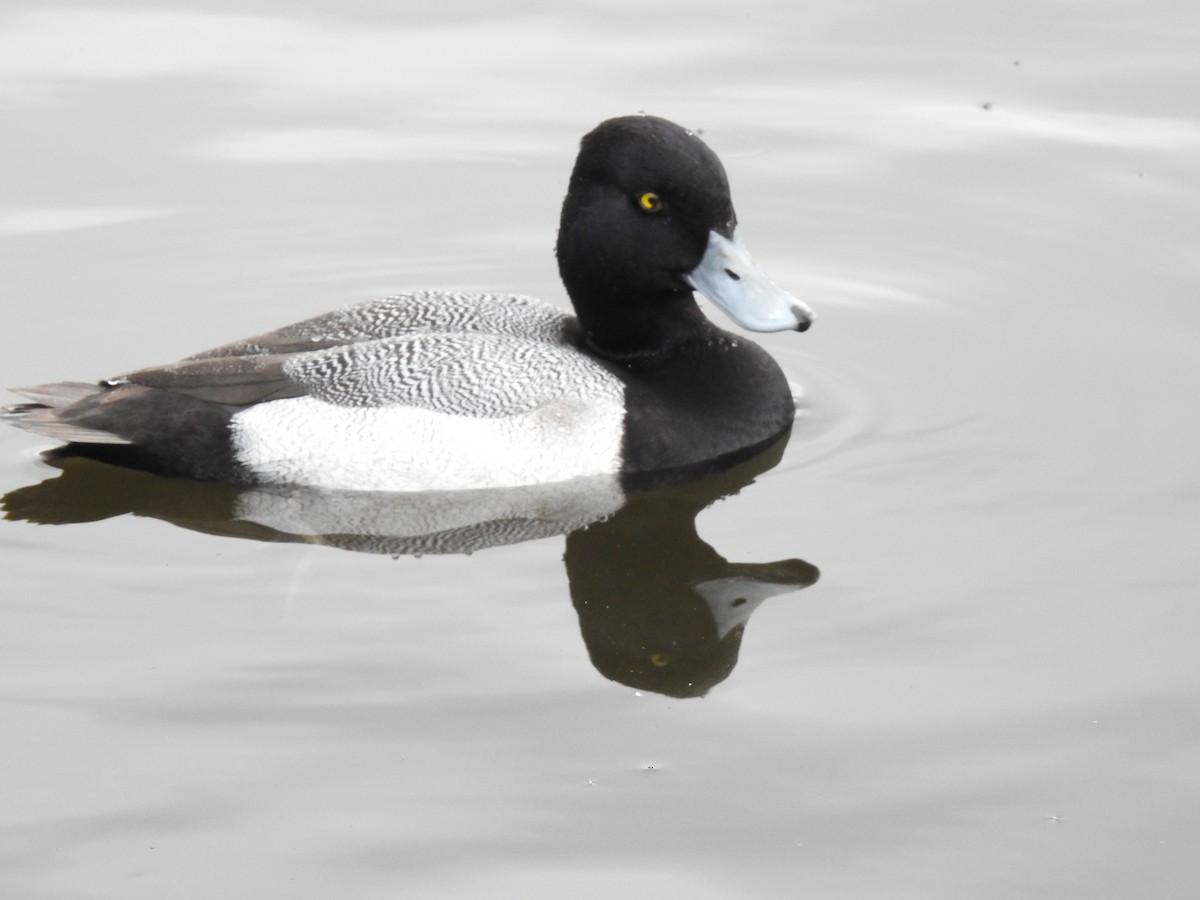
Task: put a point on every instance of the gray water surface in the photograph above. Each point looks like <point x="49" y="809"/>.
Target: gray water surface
<point x="991" y="690"/>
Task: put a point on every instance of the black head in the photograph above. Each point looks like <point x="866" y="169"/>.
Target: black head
<point x="643" y="198"/>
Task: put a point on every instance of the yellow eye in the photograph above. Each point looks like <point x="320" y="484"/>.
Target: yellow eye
<point x="660" y="659"/>
<point x="650" y="201"/>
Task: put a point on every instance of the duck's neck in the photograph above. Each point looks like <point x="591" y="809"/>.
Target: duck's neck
<point x="623" y="330"/>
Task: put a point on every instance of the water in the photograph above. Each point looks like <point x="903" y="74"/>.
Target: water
<point x="988" y="692"/>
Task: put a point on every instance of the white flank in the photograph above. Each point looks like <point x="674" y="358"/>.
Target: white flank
<point x="400" y="448"/>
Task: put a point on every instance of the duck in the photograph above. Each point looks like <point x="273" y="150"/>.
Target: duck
<point x="442" y="390"/>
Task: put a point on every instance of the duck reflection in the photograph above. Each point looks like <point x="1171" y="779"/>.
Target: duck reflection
<point x="659" y="609"/>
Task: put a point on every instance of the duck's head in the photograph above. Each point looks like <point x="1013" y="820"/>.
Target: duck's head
<point x="647" y="220"/>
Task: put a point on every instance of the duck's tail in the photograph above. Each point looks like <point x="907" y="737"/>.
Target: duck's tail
<point x="50" y="413"/>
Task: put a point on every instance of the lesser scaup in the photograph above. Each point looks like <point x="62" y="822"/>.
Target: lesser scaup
<point x="445" y="391"/>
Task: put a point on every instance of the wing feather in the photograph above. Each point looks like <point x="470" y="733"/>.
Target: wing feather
<point x="476" y="375"/>
<point x="499" y="356"/>
<point x="227" y="380"/>
<point x="418" y="312"/>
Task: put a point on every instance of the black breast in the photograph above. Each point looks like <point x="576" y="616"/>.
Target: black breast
<point x="701" y="407"/>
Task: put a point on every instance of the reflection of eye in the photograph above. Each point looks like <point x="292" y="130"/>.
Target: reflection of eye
<point x="660" y="659"/>
<point x="650" y="201"/>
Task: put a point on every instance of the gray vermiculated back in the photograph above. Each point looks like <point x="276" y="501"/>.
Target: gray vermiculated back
<point x="417" y="312"/>
<point x="484" y="375"/>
